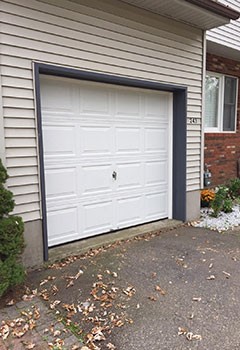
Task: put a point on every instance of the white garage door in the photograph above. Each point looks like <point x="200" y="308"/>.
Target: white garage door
<point x="107" y="157"/>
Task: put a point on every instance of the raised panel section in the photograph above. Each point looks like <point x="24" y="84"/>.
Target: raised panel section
<point x="61" y="182"/>
<point x="62" y="226"/>
<point x="157" y="106"/>
<point x="130" y="211"/>
<point x="128" y="104"/>
<point x="96" y="179"/>
<point x="95" y="101"/>
<point x="156" y="140"/>
<point x="129" y="176"/>
<point x="96" y="140"/>
<point x="128" y="140"/>
<point x="56" y="97"/>
<point x="97" y="217"/>
<point x="59" y="141"/>
<point x="156" y="173"/>
<point x="156" y="206"/>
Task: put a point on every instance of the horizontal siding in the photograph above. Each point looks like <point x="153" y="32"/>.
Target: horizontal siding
<point x="228" y="35"/>
<point x="114" y="41"/>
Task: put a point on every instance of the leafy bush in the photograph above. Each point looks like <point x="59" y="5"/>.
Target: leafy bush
<point x="234" y="188"/>
<point x="222" y="201"/>
<point x="11" y="239"/>
<point x="227" y="205"/>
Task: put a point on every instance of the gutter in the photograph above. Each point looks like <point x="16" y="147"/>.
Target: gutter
<point x="216" y="8"/>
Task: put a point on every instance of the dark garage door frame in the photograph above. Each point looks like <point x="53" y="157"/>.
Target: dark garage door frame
<point x="179" y="131"/>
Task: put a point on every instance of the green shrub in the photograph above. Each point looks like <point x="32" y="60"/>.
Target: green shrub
<point x="227" y="205"/>
<point x="3" y="174"/>
<point x="11" y="239"/>
<point x="6" y="201"/>
<point x="220" y="196"/>
<point x="234" y="188"/>
<point x="11" y="273"/>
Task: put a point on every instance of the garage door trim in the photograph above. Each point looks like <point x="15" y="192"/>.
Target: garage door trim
<point x="178" y="127"/>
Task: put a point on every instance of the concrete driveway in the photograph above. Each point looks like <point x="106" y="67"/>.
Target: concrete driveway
<point x="178" y="290"/>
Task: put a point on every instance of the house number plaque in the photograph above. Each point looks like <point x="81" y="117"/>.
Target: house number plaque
<point x="193" y="121"/>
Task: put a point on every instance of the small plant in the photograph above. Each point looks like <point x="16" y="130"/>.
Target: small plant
<point x="234" y="188"/>
<point x="222" y="201"/>
<point x="207" y="196"/>
<point x="227" y="205"/>
<point x="11" y="238"/>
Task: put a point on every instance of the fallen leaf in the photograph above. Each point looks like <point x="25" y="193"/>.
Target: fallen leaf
<point x="226" y="274"/>
<point x="29" y="345"/>
<point x="26" y="297"/>
<point x="129" y="291"/>
<point x="197" y="299"/>
<point x="70" y="284"/>
<point x="160" y="290"/>
<point x="182" y="331"/>
<point x="56" y="333"/>
<point x="54" y="304"/>
<point x="211" y="277"/>
<point x="75" y="347"/>
<point x="11" y="302"/>
<point x="4" y="331"/>
<point x="190" y="336"/>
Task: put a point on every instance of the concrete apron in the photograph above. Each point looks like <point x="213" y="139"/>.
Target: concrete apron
<point x="80" y="247"/>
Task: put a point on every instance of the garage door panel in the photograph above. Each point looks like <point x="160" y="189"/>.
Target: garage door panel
<point x="130" y="211"/>
<point x="90" y="131"/>
<point x="156" y="139"/>
<point x="59" y="141"/>
<point x="96" y="140"/>
<point x="156" y="205"/>
<point x="129" y="176"/>
<point x="63" y="225"/>
<point x="95" y="179"/>
<point x="57" y="97"/>
<point x="128" y="105"/>
<point x="128" y="140"/>
<point x="156" y="172"/>
<point x="97" y="217"/>
<point x="95" y="101"/>
<point x="157" y="107"/>
<point x="61" y="182"/>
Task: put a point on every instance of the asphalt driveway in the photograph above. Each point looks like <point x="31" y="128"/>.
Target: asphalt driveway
<point x="178" y="290"/>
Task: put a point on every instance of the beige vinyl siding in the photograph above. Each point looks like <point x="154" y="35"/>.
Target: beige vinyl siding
<point x="108" y="38"/>
<point x="228" y="35"/>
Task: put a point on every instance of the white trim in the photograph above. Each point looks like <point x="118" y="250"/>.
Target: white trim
<point x="2" y="138"/>
<point x="221" y="103"/>
<point x="203" y="109"/>
<point x="236" y="102"/>
<point x="170" y="158"/>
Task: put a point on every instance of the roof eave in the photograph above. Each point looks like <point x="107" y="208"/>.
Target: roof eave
<point x="216" y="8"/>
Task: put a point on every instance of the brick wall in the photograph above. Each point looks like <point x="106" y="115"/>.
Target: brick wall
<point x="222" y="150"/>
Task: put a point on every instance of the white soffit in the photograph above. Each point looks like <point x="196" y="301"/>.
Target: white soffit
<point x="222" y="50"/>
<point x="182" y="11"/>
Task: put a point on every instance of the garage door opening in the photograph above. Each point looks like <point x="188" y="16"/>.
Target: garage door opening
<point x="109" y="151"/>
<point x="107" y="157"/>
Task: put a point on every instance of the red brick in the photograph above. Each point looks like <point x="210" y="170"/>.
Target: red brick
<point x="222" y="150"/>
